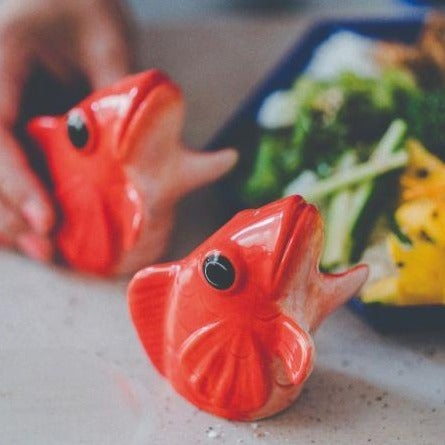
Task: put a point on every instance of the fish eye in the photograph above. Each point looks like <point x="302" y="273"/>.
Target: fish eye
<point x="77" y="130"/>
<point x="218" y="271"/>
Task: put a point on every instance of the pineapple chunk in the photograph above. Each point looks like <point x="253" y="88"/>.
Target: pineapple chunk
<point x="421" y="217"/>
<point x="424" y="175"/>
<point x="423" y="220"/>
<point x="421" y="278"/>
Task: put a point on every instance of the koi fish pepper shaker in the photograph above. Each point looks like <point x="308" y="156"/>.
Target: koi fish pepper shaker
<point x="230" y="326"/>
<point x="117" y="165"/>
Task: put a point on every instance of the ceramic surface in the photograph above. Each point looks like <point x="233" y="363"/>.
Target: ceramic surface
<point x="230" y="325"/>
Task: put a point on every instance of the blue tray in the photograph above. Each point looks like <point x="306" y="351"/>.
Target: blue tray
<point x="424" y="3"/>
<point x="241" y="131"/>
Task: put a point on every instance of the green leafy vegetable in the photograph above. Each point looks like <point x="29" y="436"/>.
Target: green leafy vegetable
<point x="425" y="115"/>
<point x="331" y="117"/>
<point x="267" y="181"/>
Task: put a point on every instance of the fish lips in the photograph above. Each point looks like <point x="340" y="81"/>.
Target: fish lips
<point x="299" y="246"/>
<point x="151" y="92"/>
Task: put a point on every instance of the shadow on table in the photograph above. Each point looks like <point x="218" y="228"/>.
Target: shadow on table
<point x="427" y="345"/>
<point x="336" y="402"/>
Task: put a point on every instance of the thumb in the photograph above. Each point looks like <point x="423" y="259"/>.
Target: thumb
<point x="14" y="68"/>
<point x="103" y="53"/>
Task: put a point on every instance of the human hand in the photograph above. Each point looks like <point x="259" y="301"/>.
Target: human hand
<point x="67" y="38"/>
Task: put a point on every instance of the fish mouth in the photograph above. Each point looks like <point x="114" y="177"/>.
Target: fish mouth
<point x="141" y="109"/>
<point x="299" y="244"/>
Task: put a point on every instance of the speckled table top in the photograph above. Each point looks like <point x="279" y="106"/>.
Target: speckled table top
<point x="72" y="370"/>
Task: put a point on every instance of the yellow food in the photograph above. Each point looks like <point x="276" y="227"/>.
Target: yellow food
<point x="424" y="176"/>
<point x="421" y="279"/>
<point x="382" y="291"/>
<point x="421" y="217"/>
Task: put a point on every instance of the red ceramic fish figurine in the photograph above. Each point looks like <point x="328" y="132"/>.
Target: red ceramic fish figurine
<point x="118" y="166"/>
<point x="230" y="325"/>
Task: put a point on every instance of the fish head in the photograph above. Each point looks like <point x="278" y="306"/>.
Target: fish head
<point x="230" y="325"/>
<point x="118" y="125"/>
<point x="265" y="262"/>
<point x="117" y="166"/>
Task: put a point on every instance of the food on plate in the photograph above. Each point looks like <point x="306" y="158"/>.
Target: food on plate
<point x="419" y="255"/>
<point x="117" y="167"/>
<point x="343" y="51"/>
<point x="230" y="326"/>
<point x="361" y="136"/>
<point x="424" y="176"/>
<point x="425" y="58"/>
<point x="330" y="118"/>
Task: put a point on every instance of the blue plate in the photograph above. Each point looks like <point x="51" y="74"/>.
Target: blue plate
<point x="241" y="131"/>
<point x="424" y="3"/>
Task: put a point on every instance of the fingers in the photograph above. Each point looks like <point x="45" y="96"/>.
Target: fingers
<point x="13" y="73"/>
<point x="103" y="51"/>
<point x="26" y="215"/>
<point x="57" y="62"/>
<point x="21" y="189"/>
<point x="14" y="232"/>
<point x="11" y="224"/>
<point x="18" y="185"/>
<point x="36" y="247"/>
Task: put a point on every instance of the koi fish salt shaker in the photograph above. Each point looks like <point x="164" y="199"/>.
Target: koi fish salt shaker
<point x="230" y="325"/>
<point x="118" y="166"/>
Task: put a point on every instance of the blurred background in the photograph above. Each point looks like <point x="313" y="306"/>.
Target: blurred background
<point x="72" y="370"/>
<point x="180" y="9"/>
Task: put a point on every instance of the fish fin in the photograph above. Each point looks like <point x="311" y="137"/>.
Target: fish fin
<point x="296" y="349"/>
<point x="334" y="290"/>
<point x="148" y="298"/>
<point x="85" y="238"/>
<point x="197" y="169"/>
<point x="225" y="369"/>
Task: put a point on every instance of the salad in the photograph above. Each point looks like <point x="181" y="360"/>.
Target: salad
<point x="361" y="134"/>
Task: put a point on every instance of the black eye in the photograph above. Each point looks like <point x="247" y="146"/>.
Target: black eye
<point x="77" y="130"/>
<point x="218" y="271"/>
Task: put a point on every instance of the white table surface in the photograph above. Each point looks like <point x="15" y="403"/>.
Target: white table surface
<point x="73" y="372"/>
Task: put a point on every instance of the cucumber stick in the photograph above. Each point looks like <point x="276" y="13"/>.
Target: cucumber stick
<point x="391" y="140"/>
<point x="389" y="143"/>
<point x="386" y="147"/>
<point x="357" y="174"/>
<point x="338" y="220"/>
<point x="383" y="160"/>
<point x="366" y="202"/>
<point x="348" y="218"/>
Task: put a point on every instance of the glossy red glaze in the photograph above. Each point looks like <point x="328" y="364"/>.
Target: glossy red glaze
<point x="117" y="192"/>
<point x="243" y="352"/>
